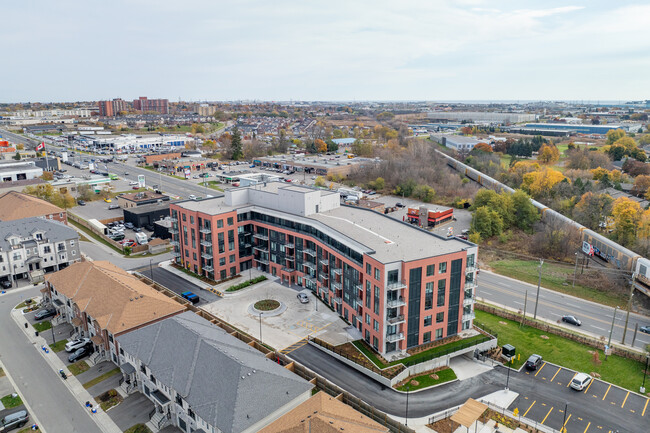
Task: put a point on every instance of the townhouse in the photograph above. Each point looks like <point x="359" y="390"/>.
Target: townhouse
<point x="15" y="205"/>
<point x="400" y="286"/>
<point x="102" y="301"/>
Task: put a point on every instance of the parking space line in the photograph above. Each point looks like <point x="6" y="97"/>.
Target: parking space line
<point x="530" y="407"/>
<point x="626" y="395"/>
<point x="589" y="386"/>
<point x="574" y="375"/>
<point x="540" y="369"/>
<point x="549" y="412"/>
<point x="558" y="370"/>
<point x="586" y="428"/>
<point x="645" y="407"/>
<point x="610" y="385"/>
<point x="564" y="425"/>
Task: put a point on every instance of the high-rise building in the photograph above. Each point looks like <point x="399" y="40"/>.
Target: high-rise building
<point x="400" y="286"/>
<point x="112" y="108"/>
<point x="144" y="104"/>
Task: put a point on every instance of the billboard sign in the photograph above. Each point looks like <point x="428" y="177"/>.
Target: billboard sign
<point x="141" y="181"/>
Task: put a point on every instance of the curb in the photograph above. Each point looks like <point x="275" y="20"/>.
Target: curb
<point x="31" y="412"/>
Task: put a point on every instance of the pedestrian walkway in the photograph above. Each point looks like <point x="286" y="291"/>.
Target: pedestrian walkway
<point x="219" y="287"/>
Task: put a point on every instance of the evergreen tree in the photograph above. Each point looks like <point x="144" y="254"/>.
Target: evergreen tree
<point x="236" y="144"/>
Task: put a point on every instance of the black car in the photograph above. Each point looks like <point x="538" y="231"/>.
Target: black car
<point x="571" y="320"/>
<point x="6" y="284"/>
<point x="81" y="353"/>
<point x="148" y="227"/>
<point x="645" y="329"/>
<point x="45" y="313"/>
<point x="534" y="362"/>
<point x="399" y="205"/>
<point x="81" y="203"/>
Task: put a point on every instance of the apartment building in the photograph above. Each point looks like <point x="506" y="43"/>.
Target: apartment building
<point x="400" y="286"/>
<point x="30" y="247"/>
<point x="144" y="104"/>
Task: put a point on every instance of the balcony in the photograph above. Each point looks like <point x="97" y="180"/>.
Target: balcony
<point x="291" y="259"/>
<point x="467" y="301"/>
<point x="470" y="267"/>
<point x="263" y="248"/>
<point x="310" y="279"/>
<point x="310" y="252"/>
<point x="470" y="284"/>
<point x="208" y="268"/>
<point x="335" y="285"/>
<point x="468" y="316"/>
<point x="261" y="260"/>
<point x="393" y="303"/>
<point x="206" y="255"/>
<point x="309" y="265"/>
<point x="396" y="320"/>
<point x="206" y="243"/>
<point x="173" y="230"/>
<point x="176" y="253"/>
<point x="174" y="243"/>
<point x="324" y="262"/>
<point x="396" y="285"/>
<point x="173" y="220"/>
<point x="323" y="277"/>
<point x="288" y="270"/>
<point x="205" y="230"/>
<point x="393" y="338"/>
<point x="261" y="237"/>
<point x="337" y="271"/>
<point x="337" y="299"/>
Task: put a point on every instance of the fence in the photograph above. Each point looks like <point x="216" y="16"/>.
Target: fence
<point x="539" y="428"/>
<point x="583" y="339"/>
<point x="134" y="250"/>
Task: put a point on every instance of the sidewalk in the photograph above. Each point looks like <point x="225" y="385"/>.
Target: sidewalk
<point x="102" y="420"/>
<point x="245" y="276"/>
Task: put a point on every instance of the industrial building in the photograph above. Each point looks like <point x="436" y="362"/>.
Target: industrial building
<point x="11" y="170"/>
<point x="575" y="128"/>
<point x="482" y="116"/>
<point x="460" y="143"/>
<point x="400" y="286"/>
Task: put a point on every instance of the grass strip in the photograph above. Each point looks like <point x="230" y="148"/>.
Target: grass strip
<point x="58" y="346"/>
<point x="78" y="367"/>
<point x="426" y="381"/>
<point x="138" y="428"/>
<point x="95" y="236"/>
<point x="43" y="326"/>
<point x="8" y="401"/>
<point x="101" y="378"/>
<point x="24" y="304"/>
<point x="620" y="371"/>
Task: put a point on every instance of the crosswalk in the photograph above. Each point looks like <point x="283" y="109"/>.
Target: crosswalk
<point x="294" y="346"/>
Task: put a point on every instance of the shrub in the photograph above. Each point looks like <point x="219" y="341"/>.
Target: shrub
<point x="246" y="284"/>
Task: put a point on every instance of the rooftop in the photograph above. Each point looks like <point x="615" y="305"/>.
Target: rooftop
<point x="53" y="231"/>
<point x="16" y="205"/>
<point x="143" y="196"/>
<point x="113" y="297"/>
<point x="246" y="387"/>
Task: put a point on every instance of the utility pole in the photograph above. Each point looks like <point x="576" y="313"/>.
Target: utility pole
<point x="611" y="329"/>
<point x="539" y="282"/>
<point x="629" y="307"/>
<point x="525" y="304"/>
<point x="575" y="271"/>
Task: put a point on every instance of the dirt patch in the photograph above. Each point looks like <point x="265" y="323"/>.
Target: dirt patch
<point x="267" y="305"/>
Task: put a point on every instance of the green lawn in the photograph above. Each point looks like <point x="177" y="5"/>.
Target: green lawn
<point x="78" y="367"/>
<point x="101" y="378"/>
<point x="425" y="380"/>
<point x="554" y="277"/>
<point x="24" y="304"/>
<point x="138" y="428"/>
<point x="213" y="184"/>
<point x="58" y="346"/>
<point x="42" y="326"/>
<point x="422" y="356"/>
<point x="567" y="353"/>
<point x="8" y="401"/>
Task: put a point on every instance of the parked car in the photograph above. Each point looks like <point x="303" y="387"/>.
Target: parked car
<point x="581" y="381"/>
<point x="133" y="183"/>
<point x="194" y="299"/>
<point x="118" y="236"/>
<point x="645" y="329"/>
<point x="73" y="345"/>
<point x="45" y="313"/>
<point x="82" y="352"/>
<point x="81" y="202"/>
<point x="137" y="229"/>
<point x="14" y="420"/>
<point x="136" y="187"/>
<point x="6" y="284"/>
<point x="399" y="205"/>
<point x="571" y="320"/>
<point x="534" y="362"/>
<point x="192" y="197"/>
<point x="108" y="200"/>
<point x="303" y="298"/>
<point x="128" y="225"/>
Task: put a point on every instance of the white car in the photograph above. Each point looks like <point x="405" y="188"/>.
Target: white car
<point x="73" y="345"/>
<point x="133" y="183"/>
<point x="303" y="298"/>
<point x="192" y="197"/>
<point x="581" y="381"/>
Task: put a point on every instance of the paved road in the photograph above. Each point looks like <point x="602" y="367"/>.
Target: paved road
<point x="424" y="403"/>
<point x="18" y="138"/>
<point x="48" y="397"/>
<point x="596" y="319"/>
<point x="177" y="283"/>
<point x="97" y="251"/>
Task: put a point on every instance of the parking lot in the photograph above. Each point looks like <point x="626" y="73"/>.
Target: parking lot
<point x="550" y="391"/>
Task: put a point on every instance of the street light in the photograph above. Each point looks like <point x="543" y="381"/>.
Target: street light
<point x="563" y="429"/>
<point x="645" y="372"/>
<point x="575" y="270"/>
<point x="611" y="329"/>
<point x="407" y="405"/>
<point x="508" y="378"/>
<point x="539" y="283"/>
<point x="260" y="327"/>
<point x="151" y="271"/>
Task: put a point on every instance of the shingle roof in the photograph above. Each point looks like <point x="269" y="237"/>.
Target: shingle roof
<point x="116" y="299"/>
<point x="323" y="413"/>
<point x="227" y="383"/>
<point x="15" y="205"/>
<point x="54" y="231"/>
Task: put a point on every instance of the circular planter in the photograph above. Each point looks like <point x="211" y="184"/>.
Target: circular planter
<point x="267" y="308"/>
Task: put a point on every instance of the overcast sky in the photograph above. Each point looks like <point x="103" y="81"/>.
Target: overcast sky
<point x="67" y="50"/>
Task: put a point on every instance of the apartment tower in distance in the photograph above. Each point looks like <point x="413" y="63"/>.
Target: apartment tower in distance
<point x="400" y="286"/>
<point x="142" y="104"/>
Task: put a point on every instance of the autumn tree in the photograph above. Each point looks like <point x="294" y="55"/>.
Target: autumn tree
<point x="482" y="147"/>
<point x="362" y="148"/>
<point x="424" y="193"/>
<point x="548" y="154"/>
<point x="321" y="146"/>
<point x="197" y="128"/>
<point x="486" y="222"/>
<point x="641" y="185"/>
<point x="614" y="134"/>
<point x="319" y="181"/>
<point x="592" y="209"/>
<point x="85" y="192"/>
<point x="626" y="214"/>
<point x="540" y="183"/>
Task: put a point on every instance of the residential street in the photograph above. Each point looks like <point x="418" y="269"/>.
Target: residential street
<point x="44" y="391"/>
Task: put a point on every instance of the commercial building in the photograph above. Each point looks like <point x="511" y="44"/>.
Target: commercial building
<point x="16" y="205"/>
<point x="12" y="171"/>
<point x="103" y="302"/>
<point x="425" y="217"/>
<point x="400" y="286"/>
<point x="317" y="165"/>
<point x="140" y="198"/>
<point x="574" y="128"/>
<point x="143" y="104"/>
<point x="148" y="214"/>
<point x="202" y="379"/>
<point x="460" y="143"/>
<point x="30" y="247"/>
<point x="482" y="116"/>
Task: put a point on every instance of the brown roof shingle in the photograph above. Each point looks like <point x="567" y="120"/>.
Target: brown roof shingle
<point x="116" y="299"/>
<point x="15" y="205"/>
<point x="323" y="413"/>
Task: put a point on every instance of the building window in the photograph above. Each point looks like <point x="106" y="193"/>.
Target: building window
<point x="232" y="258"/>
<point x="375" y="325"/>
<point x="46" y="250"/>
<point x="191" y="219"/>
<point x="441" y="292"/>
<point x="368" y="269"/>
<point x="367" y="336"/>
<point x="367" y="294"/>
<point x="222" y="261"/>
<point x="427" y="337"/>
<point x="431" y="269"/>
<point x="367" y="319"/>
<point x="230" y="221"/>
<point x="376" y="300"/>
<point x="190" y="413"/>
<point x="438" y="334"/>
<point x="152" y="379"/>
<point x="428" y="296"/>
<point x="233" y="271"/>
<point x="440" y="317"/>
<point x="442" y="268"/>
<point x="179" y="400"/>
<point x="143" y="369"/>
<point x="219" y="224"/>
<point x="194" y="256"/>
<point x="184" y="218"/>
<point x="377" y="274"/>
<point x="470" y="260"/>
<point x="427" y="320"/>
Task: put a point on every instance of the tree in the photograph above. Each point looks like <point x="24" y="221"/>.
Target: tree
<point x="17" y="156"/>
<point x="20" y="146"/>
<point x="378" y="184"/>
<point x="592" y="209"/>
<point x="482" y="147"/>
<point x="282" y="143"/>
<point x="641" y="185"/>
<point x="424" y="193"/>
<point x="236" y="144"/>
<point x="614" y="134"/>
<point x="626" y="214"/>
<point x="321" y="146"/>
<point x="85" y="192"/>
<point x="362" y="148"/>
<point x="197" y="129"/>
<point x="526" y="213"/>
<point x="331" y="146"/>
<point x="548" y="154"/>
<point x="319" y="181"/>
<point x="540" y="183"/>
<point x="486" y="222"/>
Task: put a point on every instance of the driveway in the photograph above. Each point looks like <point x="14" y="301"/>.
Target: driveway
<point x="133" y="410"/>
<point x="177" y="284"/>
<point x="289" y="327"/>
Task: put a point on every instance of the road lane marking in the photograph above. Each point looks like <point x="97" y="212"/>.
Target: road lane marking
<point x="558" y="370"/>
<point x="646" y="405"/>
<point x="564" y="425"/>
<point x="607" y="391"/>
<point x="549" y="412"/>
<point x="530" y="407"/>
<point x="586" y="428"/>
<point x="592" y="381"/>
<point x="540" y="369"/>
<point x="628" y="393"/>
<point x="567" y="385"/>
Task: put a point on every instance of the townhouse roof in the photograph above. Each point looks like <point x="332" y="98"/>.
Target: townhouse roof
<point x="53" y="231"/>
<point x="244" y="386"/>
<point x="113" y="297"/>
<point x="15" y="205"/>
<point x="323" y="413"/>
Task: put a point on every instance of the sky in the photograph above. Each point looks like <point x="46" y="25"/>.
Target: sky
<point x="213" y="50"/>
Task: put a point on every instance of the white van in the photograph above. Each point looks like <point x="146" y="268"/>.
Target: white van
<point x="141" y="238"/>
<point x="580" y="381"/>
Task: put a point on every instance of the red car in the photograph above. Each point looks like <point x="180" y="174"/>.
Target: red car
<point x="125" y="242"/>
<point x="136" y="187"/>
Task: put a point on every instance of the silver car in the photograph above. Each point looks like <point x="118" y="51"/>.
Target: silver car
<point x="303" y="298"/>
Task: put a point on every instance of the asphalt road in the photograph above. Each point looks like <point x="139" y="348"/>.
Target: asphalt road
<point x="18" y="138"/>
<point x="98" y="251"/>
<point x="427" y="402"/>
<point x="177" y="284"/>
<point x="44" y="391"/>
<point x="596" y="319"/>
